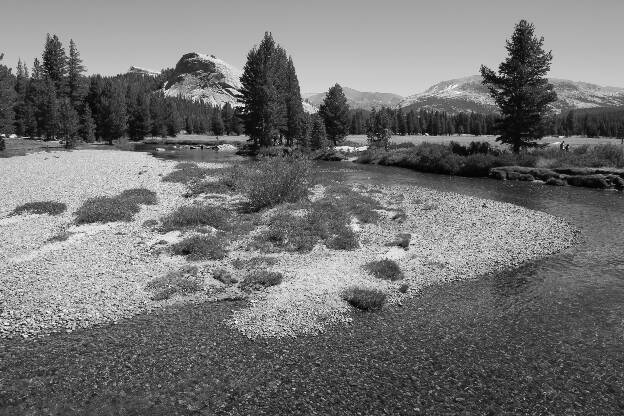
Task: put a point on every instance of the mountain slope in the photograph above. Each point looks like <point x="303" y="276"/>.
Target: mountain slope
<point x="469" y="94"/>
<point x="359" y="99"/>
<point x="142" y="71"/>
<point x="206" y="78"/>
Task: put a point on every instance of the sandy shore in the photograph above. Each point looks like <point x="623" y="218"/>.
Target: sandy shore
<point x="99" y="274"/>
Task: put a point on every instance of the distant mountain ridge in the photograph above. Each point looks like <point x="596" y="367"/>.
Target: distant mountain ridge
<point x="469" y="94"/>
<point x="359" y="99"/>
<point x="142" y="71"/>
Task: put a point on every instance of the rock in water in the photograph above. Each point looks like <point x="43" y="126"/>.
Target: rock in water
<point x="205" y="78"/>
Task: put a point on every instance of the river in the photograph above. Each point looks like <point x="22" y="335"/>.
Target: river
<point x="550" y="332"/>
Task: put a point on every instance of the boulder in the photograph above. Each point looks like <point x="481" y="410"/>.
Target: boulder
<point x="498" y="173"/>
<point x="589" y="181"/>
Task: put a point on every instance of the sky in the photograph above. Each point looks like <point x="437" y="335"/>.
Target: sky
<point x="397" y="46"/>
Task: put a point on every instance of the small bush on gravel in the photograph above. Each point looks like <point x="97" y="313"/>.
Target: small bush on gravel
<point x="150" y="223"/>
<point x="62" y="236"/>
<point x="184" y="281"/>
<point x="345" y="239"/>
<point x="351" y="202"/>
<point x="105" y="209"/>
<point x="224" y="276"/>
<point x="117" y="208"/>
<point x="365" y="299"/>
<point x="260" y="279"/>
<point x="228" y="180"/>
<point x="42" y="207"/>
<point x="276" y="180"/>
<point x="200" y="247"/>
<point x="254" y="262"/>
<point x="196" y="215"/>
<point x="384" y="269"/>
<point x="404" y="288"/>
<point x="139" y="196"/>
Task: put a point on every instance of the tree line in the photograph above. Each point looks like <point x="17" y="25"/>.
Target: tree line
<point x="55" y="100"/>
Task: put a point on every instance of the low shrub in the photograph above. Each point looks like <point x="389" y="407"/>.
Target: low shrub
<point x="344" y="239"/>
<point x="227" y="180"/>
<point x="275" y="180"/>
<point x="196" y="215"/>
<point x="254" y="262"/>
<point x="139" y="196"/>
<point x="365" y="299"/>
<point x="150" y="223"/>
<point x="200" y="247"/>
<point x="402" y="240"/>
<point x="404" y="288"/>
<point x="384" y="269"/>
<point x="117" y="208"/>
<point x="291" y="233"/>
<point x="184" y="281"/>
<point x="105" y="209"/>
<point x="260" y="279"/>
<point x="41" y="207"/>
<point x="224" y="276"/>
<point x="60" y="237"/>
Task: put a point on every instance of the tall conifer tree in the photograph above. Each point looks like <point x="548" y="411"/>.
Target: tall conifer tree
<point x="335" y="113"/>
<point x="521" y="90"/>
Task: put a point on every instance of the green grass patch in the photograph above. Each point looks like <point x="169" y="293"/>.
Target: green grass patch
<point x="254" y="262"/>
<point x="196" y="215"/>
<point x="261" y="279"/>
<point x="184" y="282"/>
<point x="200" y="247"/>
<point x="384" y="269"/>
<point x="122" y="207"/>
<point x="365" y="299"/>
<point x="41" y="207"/>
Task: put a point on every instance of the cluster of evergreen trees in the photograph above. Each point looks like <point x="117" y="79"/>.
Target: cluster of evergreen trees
<point x="595" y="122"/>
<point x="433" y="123"/>
<point x="273" y="111"/>
<point x="55" y="100"/>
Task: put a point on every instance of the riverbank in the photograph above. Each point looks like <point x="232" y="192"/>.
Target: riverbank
<point x="598" y="166"/>
<point x="109" y="266"/>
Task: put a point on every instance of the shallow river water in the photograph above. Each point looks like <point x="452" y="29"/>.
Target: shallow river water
<point x="561" y="318"/>
<point x="544" y="339"/>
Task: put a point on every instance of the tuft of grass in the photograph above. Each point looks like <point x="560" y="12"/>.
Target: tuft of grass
<point x="384" y="269"/>
<point x="345" y="239"/>
<point x="228" y="180"/>
<point x="117" y="208"/>
<point x="353" y="203"/>
<point x="150" y="223"/>
<point x="224" y="276"/>
<point x="254" y="262"/>
<point x="41" y="207"/>
<point x="62" y="236"/>
<point x="184" y="281"/>
<point x="105" y="209"/>
<point x="200" y="247"/>
<point x="365" y="299"/>
<point x="139" y="196"/>
<point x="196" y="215"/>
<point x="260" y="279"/>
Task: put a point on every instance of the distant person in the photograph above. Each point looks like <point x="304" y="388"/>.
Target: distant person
<point x="561" y="145"/>
<point x="567" y="147"/>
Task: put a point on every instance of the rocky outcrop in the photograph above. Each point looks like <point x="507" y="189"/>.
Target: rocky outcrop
<point x="600" y="178"/>
<point x="205" y="78"/>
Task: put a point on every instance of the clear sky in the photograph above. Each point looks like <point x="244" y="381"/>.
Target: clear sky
<point x="398" y="46"/>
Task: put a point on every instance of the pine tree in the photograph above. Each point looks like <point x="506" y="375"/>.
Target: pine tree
<point x="115" y="118"/>
<point x="570" y="123"/>
<point x="21" y="87"/>
<point x="378" y="129"/>
<point x="294" y="107"/>
<point x="7" y="98"/>
<point x="270" y="111"/>
<point x="401" y="123"/>
<point x="217" y="123"/>
<point x="173" y="120"/>
<point x="69" y="124"/>
<point x="55" y="64"/>
<point x="87" y="125"/>
<point x="521" y="90"/>
<point x="49" y="111"/>
<point x="75" y="79"/>
<point x="318" y="135"/>
<point x="335" y="113"/>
